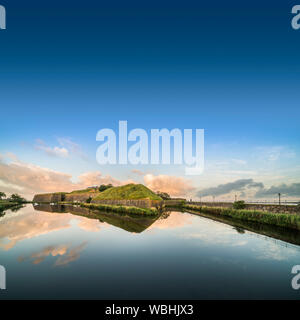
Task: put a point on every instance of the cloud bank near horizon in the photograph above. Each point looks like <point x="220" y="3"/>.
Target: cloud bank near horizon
<point x="28" y="179"/>
<point x="245" y="185"/>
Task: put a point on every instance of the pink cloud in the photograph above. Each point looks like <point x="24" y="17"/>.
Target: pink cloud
<point x="28" y="179"/>
<point x="175" y="186"/>
<point x="138" y="172"/>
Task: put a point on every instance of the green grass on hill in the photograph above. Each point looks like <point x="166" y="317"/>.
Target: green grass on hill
<point x="128" y="192"/>
<point x="91" y="190"/>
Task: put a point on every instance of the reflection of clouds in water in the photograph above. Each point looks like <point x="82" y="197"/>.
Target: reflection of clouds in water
<point x="211" y="232"/>
<point x="269" y="250"/>
<point x="40" y="256"/>
<point x="65" y="254"/>
<point x="19" y="227"/>
<point x="174" y="220"/>
<point x="72" y="255"/>
<point x="90" y="225"/>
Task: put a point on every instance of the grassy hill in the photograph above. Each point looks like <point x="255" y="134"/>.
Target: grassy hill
<point x="89" y="190"/>
<point x="128" y="192"/>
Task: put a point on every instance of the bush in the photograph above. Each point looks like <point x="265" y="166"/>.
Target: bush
<point x="163" y="195"/>
<point x="104" y="187"/>
<point x="239" y="205"/>
<point x="17" y="198"/>
<point x="88" y="200"/>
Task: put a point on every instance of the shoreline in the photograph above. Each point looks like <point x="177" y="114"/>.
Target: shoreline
<point x="283" y="220"/>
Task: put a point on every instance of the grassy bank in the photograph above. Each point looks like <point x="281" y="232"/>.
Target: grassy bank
<point x="121" y="209"/>
<point x="290" y="221"/>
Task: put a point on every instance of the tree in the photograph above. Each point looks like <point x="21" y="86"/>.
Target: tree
<point x="17" y="198"/>
<point x="163" y="195"/>
<point x="2" y="195"/>
<point x="88" y="200"/>
<point x="104" y="187"/>
<point x="239" y="205"/>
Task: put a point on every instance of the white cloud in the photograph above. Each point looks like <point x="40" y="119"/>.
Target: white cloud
<point x="274" y="153"/>
<point x="52" y="151"/>
<point x="66" y="148"/>
<point x="73" y="147"/>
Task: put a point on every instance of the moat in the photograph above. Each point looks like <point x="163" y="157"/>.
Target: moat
<point x="64" y="252"/>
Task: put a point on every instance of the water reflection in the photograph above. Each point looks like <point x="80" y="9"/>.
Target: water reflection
<point x="98" y="255"/>
<point x="17" y="227"/>
<point x="136" y="224"/>
<point x="65" y="254"/>
<point x="287" y="235"/>
<point x="13" y="209"/>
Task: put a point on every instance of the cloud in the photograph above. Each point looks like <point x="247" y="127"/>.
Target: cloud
<point x="222" y="189"/>
<point x="73" y="147"/>
<point x="274" y="153"/>
<point x="175" y="186"/>
<point x="32" y="179"/>
<point x="66" y="148"/>
<point x="96" y="178"/>
<point x="29" y="179"/>
<point x="138" y="172"/>
<point x="53" y="152"/>
<point x="292" y="190"/>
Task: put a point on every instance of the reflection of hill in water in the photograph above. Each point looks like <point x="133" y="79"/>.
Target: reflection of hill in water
<point x="135" y="223"/>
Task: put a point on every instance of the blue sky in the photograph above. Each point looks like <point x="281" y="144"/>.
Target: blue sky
<point x="68" y="70"/>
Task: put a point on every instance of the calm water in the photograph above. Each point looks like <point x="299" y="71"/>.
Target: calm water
<point x="66" y="252"/>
